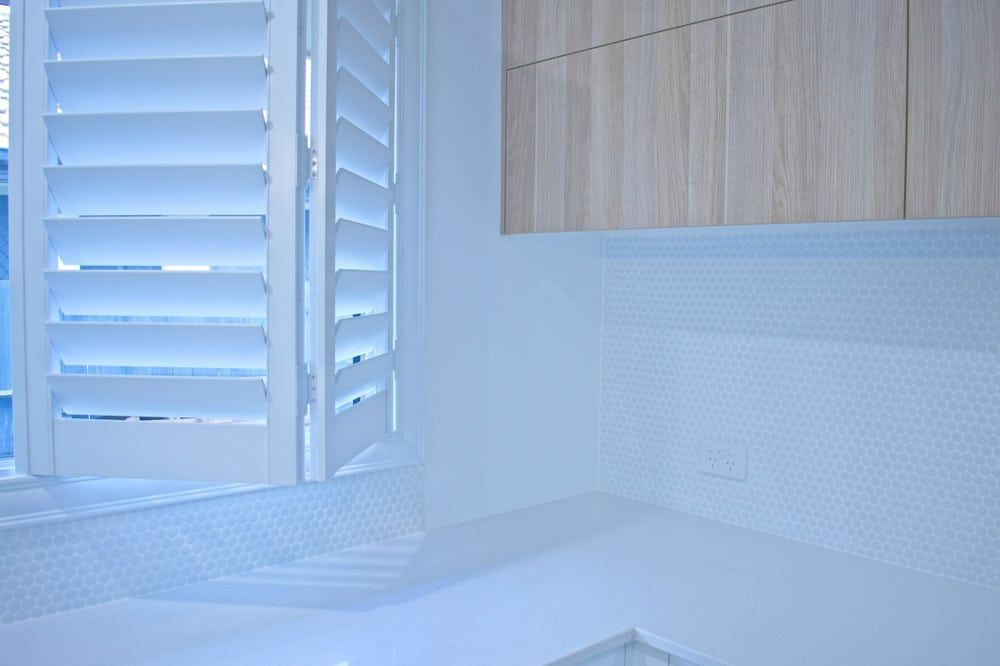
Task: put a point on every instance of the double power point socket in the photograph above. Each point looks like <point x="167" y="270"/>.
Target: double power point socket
<point x="729" y="461"/>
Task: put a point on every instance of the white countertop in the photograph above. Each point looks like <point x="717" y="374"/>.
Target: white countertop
<point x="531" y="586"/>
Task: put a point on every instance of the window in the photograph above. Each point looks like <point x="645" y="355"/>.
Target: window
<point x="6" y="413"/>
<point x="163" y="165"/>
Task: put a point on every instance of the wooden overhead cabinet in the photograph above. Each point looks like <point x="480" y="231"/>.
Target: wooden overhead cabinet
<point x="953" y="150"/>
<point x="789" y="112"/>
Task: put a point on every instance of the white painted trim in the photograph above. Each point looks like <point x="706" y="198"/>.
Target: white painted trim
<point x="18" y="290"/>
<point x="321" y="201"/>
<point x="394" y="452"/>
<point x="642" y="642"/>
<point x="29" y="501"/>
<point x="412" y="306"/>
<point x="285" y="279"/>
<point x="162" y="450"/>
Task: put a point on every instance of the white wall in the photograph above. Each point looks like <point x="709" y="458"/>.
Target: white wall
<point x="513" y="323"/>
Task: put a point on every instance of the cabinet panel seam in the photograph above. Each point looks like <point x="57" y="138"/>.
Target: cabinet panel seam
<point x="648" y="34"/>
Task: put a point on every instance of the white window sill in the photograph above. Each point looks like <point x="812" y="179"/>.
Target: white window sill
<point x="26" y="501"/>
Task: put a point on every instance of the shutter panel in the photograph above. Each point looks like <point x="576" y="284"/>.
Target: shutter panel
<point x="351" y="233"/>
<point x="164" y="339"/>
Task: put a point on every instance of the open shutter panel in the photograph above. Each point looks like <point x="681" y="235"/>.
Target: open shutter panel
<point x="352" y="236"/>
<point x="174" y="240"/>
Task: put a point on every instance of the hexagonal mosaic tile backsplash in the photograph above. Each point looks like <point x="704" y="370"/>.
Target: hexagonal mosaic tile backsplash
<point x="857" y="363"/>
<point x="57" y="567"/>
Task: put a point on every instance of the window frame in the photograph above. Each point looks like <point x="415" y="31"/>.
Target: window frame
<point x="6" y="467"/>
<point x="27" y="500"/>
<point x="411" y="212"/>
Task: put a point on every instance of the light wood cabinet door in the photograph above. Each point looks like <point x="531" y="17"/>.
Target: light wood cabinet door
<point x="953" y="147"/>
<point x="787" y="113"/>
<point x="540" y="29"/>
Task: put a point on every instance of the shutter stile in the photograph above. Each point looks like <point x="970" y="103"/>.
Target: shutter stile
<point x="161" y="359"/>
<point x="352" y="304"/>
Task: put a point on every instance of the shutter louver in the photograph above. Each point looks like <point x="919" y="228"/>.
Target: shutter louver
<point x="174" y="146"/>
<point x="352" y="232"/>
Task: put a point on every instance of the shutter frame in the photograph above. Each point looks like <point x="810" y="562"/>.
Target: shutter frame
<point x="352" y="230"/>
<point x="287" y="153"/>
<point x="48" y="443"/>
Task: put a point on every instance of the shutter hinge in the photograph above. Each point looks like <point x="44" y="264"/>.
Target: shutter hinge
<point x="308" y="162"/>
<point x="307" y="386"/>
<point x="394" y="196"/>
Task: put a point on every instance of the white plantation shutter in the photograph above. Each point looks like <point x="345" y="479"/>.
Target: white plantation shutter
<point x="162" y="239"/>
<point x="352" y="229"/>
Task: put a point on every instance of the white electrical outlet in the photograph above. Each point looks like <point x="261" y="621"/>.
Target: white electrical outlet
<point x="729" y="461"/>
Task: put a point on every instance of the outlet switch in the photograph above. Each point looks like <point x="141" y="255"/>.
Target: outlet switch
<point x="729" y="461"/>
